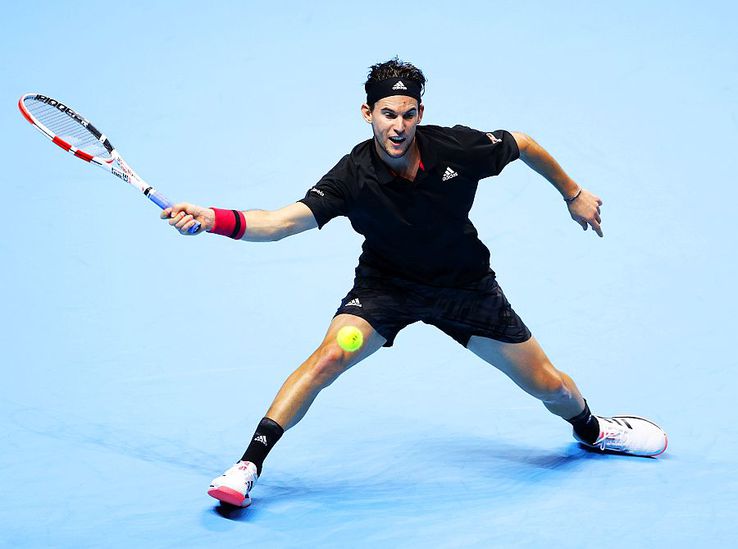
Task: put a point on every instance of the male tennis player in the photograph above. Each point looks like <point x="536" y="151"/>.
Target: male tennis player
<point x="408" y="191"/>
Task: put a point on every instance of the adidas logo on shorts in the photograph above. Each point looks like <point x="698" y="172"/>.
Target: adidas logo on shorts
<point x="262" y="439"/>
<point x="354" y="303"/>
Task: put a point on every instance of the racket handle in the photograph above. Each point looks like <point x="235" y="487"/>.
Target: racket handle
<point x="163" y="202"/>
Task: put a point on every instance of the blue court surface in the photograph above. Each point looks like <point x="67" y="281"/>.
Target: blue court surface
<point x="137" y="362"/>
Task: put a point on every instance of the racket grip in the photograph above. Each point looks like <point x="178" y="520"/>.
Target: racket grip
<point x="163" y="202"/>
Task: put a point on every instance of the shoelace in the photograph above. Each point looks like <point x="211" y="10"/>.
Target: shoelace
<point x="614" y="435"/>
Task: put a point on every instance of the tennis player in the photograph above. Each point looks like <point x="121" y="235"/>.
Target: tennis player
<point x="408" y="190"/>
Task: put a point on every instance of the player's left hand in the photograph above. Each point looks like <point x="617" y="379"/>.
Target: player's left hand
<point x="585" y="210"/>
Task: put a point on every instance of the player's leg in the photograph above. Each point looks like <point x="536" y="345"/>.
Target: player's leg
<point x="529" y="367"/>
<point x="480" y="317"/>
<point x="298" y="392"/>
<point x="320" y="370"/>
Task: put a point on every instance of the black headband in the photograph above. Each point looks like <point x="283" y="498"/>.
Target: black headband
<point x="392" y="86"/>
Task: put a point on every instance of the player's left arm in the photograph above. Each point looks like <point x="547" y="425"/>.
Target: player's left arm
<point x="584" y="207"/>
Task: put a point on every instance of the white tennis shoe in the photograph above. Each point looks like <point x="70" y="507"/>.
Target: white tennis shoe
<point x="632" y="435"/>
<point x="234" y="485"/>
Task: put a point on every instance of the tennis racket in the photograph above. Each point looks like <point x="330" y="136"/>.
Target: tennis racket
<point x="76" y="135"/>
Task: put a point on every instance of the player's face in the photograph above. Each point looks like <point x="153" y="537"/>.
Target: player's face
<point x="393" y="121"/>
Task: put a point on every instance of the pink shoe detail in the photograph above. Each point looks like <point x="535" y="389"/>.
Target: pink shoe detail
<point x="229" y="495"/>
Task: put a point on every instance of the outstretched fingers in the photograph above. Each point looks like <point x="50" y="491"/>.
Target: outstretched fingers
<point x="595" y="224"/>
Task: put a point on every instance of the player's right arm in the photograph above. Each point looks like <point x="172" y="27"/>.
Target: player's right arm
<point x="261" y="225"/>
<point x="264" y="226"/>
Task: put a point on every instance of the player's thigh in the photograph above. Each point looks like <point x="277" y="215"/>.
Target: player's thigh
<point x="372" y="340"/>
<point x="525" y="363"/>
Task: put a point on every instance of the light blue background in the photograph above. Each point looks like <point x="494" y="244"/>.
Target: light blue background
<point x="136" y="362"/>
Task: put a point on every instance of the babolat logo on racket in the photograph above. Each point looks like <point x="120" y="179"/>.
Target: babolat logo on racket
<point x="62" y="108"/>
<point x="118" y="173"/>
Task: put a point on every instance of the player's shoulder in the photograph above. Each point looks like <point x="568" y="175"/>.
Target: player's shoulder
<point x="469" y="147"/>
<point x="451" y="136"/>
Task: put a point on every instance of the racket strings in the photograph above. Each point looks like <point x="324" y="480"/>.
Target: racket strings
<point x="65" y="127"/>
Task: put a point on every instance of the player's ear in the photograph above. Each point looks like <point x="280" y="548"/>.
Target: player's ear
<point x="421" y="109"/>
<point x="366" y="113"/>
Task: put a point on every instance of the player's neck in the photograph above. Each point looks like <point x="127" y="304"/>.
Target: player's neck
<point x="405" y="166"/>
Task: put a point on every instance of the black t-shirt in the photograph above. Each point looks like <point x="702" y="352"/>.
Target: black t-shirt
<point x="417" y="230"/>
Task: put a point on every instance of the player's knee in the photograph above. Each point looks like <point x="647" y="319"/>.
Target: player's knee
<point x="551" y="387"/>
<point x="330" y="362"/>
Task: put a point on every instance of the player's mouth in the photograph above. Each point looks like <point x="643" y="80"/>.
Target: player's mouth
<point x="396" y="140"/>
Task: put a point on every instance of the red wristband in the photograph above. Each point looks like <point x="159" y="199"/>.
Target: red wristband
<point x="230" y="223"/>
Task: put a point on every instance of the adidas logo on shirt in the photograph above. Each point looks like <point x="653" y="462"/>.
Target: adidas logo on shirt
<point x="262" y="439"/>
<point x="399" y="86"/>
<point x="354" y="303"/>
<point x="448" y="174"/>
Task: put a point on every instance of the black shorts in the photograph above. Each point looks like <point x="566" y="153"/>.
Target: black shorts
<point x="479" y="308"/>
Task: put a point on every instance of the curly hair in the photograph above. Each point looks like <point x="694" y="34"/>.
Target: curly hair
<point x="395" y="68"/>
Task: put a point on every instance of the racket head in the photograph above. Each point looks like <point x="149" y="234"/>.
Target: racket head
<point x="66" y="128"/>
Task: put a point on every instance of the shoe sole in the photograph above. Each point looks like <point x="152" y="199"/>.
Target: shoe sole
<point x="230" y="496"/>
<point x="666" y="438"/>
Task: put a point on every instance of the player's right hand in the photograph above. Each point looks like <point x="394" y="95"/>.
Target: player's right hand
<point x="182" y="216"/>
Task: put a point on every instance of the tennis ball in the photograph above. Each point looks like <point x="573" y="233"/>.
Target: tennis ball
<point x="350" y="338"/>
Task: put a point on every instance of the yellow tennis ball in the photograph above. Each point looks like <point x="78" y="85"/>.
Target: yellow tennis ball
<point x="350" y="338"/>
